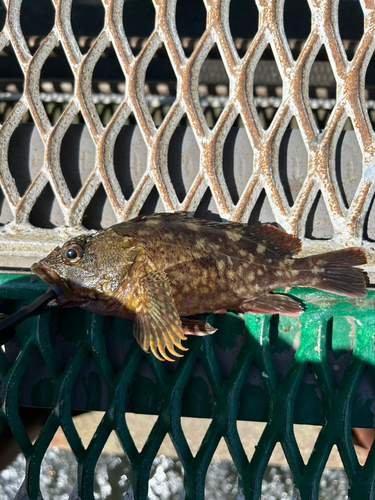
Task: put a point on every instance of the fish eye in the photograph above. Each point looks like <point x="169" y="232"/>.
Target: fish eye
<point x="72" y="253"/>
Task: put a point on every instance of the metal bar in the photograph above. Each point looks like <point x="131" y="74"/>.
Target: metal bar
<point x="78" y="153"/>
<point x="285" y="338"/>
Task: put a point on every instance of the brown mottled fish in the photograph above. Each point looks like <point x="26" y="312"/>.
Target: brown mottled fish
<point x="157" y="268"/>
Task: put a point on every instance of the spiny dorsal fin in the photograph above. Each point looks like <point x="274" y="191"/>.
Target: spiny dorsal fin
<point x="157" y="324"/>
<point x="160" y="216"/>
<point x="270" y="236"/>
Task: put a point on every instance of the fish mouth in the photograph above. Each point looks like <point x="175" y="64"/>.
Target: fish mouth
<point x="51" y="278"/>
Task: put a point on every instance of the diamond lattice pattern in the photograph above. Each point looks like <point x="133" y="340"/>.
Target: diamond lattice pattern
<point x="321" y="180"/>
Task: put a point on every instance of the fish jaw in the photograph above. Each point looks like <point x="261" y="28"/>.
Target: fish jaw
<point x="68" y="296"/>
<point x="64" y="294"/>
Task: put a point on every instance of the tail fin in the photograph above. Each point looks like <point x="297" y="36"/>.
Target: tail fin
<point x="338" y="274"/>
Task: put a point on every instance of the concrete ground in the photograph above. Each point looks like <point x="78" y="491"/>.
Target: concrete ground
<point x="194" y="430"/>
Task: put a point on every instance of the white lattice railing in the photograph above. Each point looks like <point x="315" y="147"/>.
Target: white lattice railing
<point x="25" y="240"/>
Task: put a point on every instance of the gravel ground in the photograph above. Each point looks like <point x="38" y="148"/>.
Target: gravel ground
<point x="166" y="483"/>
<point x="112" y="472"/>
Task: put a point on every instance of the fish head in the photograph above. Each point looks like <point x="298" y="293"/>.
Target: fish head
<point x="89" y="268"/>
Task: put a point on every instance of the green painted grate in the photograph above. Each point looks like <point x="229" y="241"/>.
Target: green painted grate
<point x="318" y="369"/>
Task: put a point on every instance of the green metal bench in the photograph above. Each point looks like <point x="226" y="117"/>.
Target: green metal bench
<point x="318" y="370"/>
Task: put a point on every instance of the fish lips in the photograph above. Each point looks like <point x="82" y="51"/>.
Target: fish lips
<point x="49" y="276"/>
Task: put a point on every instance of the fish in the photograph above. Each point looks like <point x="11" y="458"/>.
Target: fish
<point x="161" y="269"/>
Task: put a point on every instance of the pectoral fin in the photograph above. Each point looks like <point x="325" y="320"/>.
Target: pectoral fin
<point x="273" y="303"/>
<point x="157" y="324"/>
<point x="197" y="327"/>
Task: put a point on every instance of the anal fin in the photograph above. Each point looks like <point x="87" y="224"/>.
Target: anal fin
<point x="157" y="325"/>
<point x="273" y="303"/>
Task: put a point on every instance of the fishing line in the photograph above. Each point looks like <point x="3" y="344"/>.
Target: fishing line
<point x="36" y="307"/>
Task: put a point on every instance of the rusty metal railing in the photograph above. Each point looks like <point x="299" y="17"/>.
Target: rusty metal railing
<point x="349" y="221"/>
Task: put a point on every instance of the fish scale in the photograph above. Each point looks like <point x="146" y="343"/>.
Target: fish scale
<point x="159" y="268"/>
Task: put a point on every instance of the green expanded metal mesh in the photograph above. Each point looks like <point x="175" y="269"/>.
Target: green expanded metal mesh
<point x="318" y="369"/>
